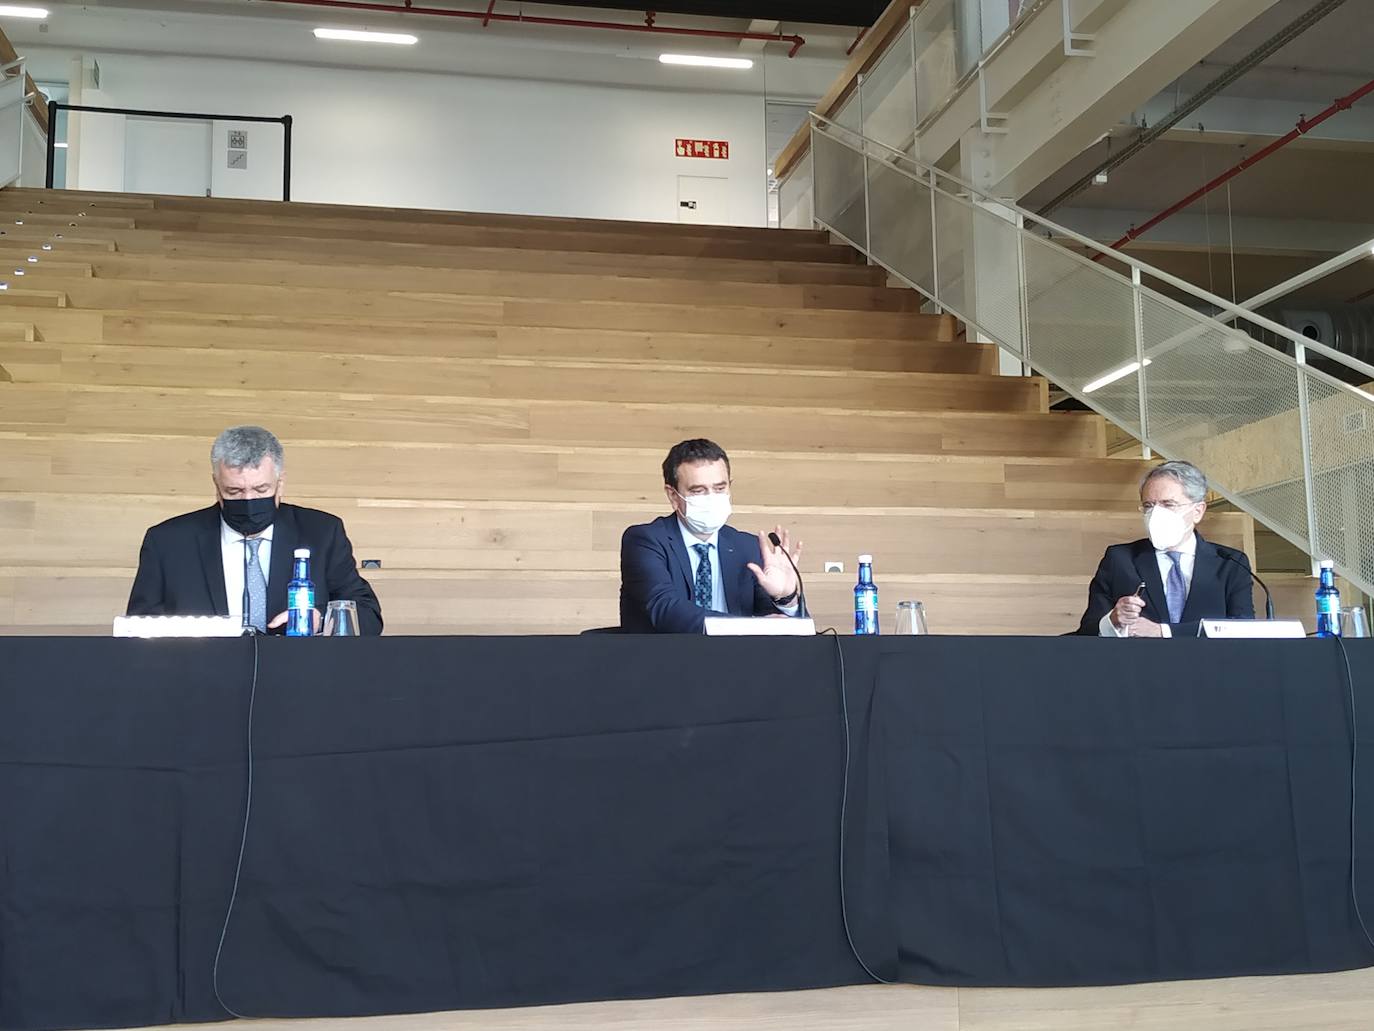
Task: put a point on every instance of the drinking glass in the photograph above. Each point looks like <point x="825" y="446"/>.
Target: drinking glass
<point x="341" y="619"/>
<point x="1354" y="623"/>
<point x="911" y="618"/>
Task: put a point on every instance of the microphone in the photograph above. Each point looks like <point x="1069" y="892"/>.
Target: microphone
<point x="801" y="587"/>
<point x="1229" y="555"/>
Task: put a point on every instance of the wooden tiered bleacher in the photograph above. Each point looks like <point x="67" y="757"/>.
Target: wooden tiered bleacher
<point x="486" y="399"/>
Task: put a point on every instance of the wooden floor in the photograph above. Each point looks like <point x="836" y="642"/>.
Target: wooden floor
<point x="1317" y="1002"/>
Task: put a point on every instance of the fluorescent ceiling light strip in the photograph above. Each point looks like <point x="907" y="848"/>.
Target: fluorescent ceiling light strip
<point x="1112" y="377"/>
<point x="696" y="61"/>
<point x="361" y="36"/>
<point x="17" y="11"/>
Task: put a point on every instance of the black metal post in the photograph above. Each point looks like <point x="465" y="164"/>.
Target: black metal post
<point x="53" y="108"/>
<point x="286" y="158"/>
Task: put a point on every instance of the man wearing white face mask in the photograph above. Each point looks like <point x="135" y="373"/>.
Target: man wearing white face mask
<point x="1185" y="578"/>
<point x="682" y="567"/>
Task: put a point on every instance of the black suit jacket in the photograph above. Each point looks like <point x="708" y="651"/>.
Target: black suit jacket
<point x="1221" y="587"/>
<point x="181" y="568"/>
<point x="656" y="585"/>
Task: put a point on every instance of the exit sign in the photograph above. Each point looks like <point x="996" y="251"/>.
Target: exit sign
<point x="719" y="149"/>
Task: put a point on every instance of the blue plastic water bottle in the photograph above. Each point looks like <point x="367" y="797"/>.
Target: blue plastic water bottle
<point x="865" y="598"/>
<point x="1328" y="603"/>
<point x="300" y="597"/>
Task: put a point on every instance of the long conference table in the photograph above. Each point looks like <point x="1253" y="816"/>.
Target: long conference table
<point x="476" y="822"/>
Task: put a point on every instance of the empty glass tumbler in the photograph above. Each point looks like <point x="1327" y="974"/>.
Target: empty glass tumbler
<point x="1354" y="623"/>
<point x="341" y="619"/>
<point x="911" y="618"/>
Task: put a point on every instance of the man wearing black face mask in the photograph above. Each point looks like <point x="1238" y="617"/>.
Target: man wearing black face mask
<point x="239" y="550"/>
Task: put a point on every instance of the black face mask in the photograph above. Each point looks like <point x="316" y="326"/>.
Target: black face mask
<point x="248" y="516"/>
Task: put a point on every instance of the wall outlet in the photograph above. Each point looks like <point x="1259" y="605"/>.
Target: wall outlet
<point x="834" y="567"/>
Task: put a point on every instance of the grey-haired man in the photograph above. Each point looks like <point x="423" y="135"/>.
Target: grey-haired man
<point x="207" y="563"/>
<point x="1163" y="585"/>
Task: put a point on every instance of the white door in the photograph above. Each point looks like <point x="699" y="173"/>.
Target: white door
<point x="163" y="155"/>
<point x="703" y="200"/>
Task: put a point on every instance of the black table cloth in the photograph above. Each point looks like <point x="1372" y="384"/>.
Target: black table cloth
<point x="467" y="822"/>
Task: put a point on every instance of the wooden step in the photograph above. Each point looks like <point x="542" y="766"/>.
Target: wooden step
<point x="17" y="332"/>
<point x="62" y="463"/>
<point x="72" y="202"/>
<point x="269" y="235"/>
<point x="544" y="379"/>
<point x="426" y="419"/>
<point x="482" y="284"/>
<point x="88" y="530"/>
<point x="230" y="299"/>
<point x="396" y="337"/>
<point x="23" y="297"/>
<point x="231" y="247"/>
<point x="37" y="264"/>
<point x="32" y="237"/>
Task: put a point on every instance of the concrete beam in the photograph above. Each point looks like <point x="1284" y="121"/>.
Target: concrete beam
<point x="1190" y="230"/>
<point x="1225" y="118"/>
<point x="1056" y="106"/>
<point x="762" y="26"/>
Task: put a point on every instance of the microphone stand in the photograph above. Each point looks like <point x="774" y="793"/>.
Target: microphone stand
<point x="801" y="586"/>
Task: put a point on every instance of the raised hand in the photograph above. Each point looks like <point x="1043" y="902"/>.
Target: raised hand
<point x="776" y="575"/>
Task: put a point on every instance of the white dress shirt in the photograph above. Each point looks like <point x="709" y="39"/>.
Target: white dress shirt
<point x="231" y="549"/>
<point x="691" y="540"/>
<point x="1187" y="558"/>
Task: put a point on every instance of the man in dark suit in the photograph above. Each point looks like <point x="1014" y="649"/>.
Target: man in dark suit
<point x="682" y="567"/>
<point x="207" y="563"/>
<point x="1186" y="579"/>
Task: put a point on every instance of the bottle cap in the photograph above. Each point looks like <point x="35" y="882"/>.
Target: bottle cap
<point x="866" y="560"/>
<point x="302" y="552"/>
<point x="1328" y="564"/>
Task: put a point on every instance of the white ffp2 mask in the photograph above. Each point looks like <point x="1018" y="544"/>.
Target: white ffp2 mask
<point x="706" y="513"/>
<point x="1166" y="528"/>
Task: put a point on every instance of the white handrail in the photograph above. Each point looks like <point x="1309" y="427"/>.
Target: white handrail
<point x="1235" y="310"/>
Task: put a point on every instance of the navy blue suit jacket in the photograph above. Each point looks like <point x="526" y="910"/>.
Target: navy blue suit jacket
<point x="656" y="579"/>
<point x="181" y="569"/>
<point x="1221" y="587"/>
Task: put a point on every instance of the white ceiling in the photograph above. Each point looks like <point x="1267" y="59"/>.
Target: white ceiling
<point x="244" y="29"/>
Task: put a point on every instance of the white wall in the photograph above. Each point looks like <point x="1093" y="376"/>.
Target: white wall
<point x="439" y="140"/>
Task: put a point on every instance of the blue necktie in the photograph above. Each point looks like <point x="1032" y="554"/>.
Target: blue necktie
<point x="256" y="584"/>
<point x="701" y="593"/>
<point x="1175" y="590"/>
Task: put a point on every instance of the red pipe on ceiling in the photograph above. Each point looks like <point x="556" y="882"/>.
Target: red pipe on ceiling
<point x="488" y="16"/>
<point x="1301" y="129"/>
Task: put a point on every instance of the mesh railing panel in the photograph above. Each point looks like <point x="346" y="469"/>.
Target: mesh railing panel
<point x="1229" y="405"/>
<point x="889" y="96"/>
<point x="996" y="297"/>
<point x="900" y="227"/>
<point x="839" y="175"/>
<point x="1081" y="320"/>
<point x="936" y="56"/>
<point x="1340" y="422"/>
<point x="954" y="253"/>
<point x="795" y="198"/>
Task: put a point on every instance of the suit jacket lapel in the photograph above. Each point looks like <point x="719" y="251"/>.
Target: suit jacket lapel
<point x="1206" y="571"/>
<point x="677" y="551"/>
<point x="730" y="567"/>
<point x="212" y="560"/>
<point x="1156" y="602"/>
<point x="284" y="544"/>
